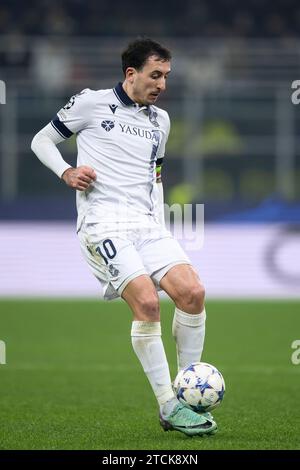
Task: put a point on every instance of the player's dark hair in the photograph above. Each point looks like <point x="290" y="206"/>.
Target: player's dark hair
<point x="138" y="51"/>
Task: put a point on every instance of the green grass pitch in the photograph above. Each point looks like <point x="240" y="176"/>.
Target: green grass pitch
<point x="72" y="380"/>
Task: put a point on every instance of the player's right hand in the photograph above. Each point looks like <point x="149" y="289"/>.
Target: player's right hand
<point x="79" y="178"/>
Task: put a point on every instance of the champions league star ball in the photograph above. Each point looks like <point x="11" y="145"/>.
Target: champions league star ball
<point x="200" y="386"/>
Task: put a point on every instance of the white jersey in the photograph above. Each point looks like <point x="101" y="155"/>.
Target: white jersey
<point x="124" y="143"/>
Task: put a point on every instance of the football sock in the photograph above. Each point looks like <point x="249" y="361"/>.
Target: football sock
<point x="167" y="408"/>
<point x="189" y="332"/>
<point x="148" y="346"/>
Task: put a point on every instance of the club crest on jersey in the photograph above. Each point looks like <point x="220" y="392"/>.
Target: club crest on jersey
<point x="108" y="125"/>
<point x="153" y="117"/>
<point x="113" y="108"/>
<point x="113" y="271"/>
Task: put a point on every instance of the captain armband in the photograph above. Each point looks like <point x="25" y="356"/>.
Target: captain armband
<point x="159" y="163"/>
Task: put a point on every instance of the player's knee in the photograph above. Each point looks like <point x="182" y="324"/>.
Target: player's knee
<point x="194" y="298"/>
<point x="148" y="306"/>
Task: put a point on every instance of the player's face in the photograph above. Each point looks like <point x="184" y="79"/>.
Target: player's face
<point x="150" y="81"/>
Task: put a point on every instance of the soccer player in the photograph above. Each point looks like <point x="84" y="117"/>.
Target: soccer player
<point x="121" y="138"/>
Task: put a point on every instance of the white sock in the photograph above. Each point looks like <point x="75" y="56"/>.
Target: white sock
<point x="189" y="332"/>
<point x="148" y="346"/>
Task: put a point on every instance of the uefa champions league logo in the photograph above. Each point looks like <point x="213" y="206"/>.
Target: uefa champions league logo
<point x="2" y="353"/>
<point x="2" y="92"/>
<point x="72" y="100"/>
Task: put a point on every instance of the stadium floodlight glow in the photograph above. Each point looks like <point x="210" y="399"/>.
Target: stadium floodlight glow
<point x="2" y="92"/>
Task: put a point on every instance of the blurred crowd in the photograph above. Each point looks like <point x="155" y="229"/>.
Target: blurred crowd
<point x="53" y="22"/>
<point x="254" y="18"/>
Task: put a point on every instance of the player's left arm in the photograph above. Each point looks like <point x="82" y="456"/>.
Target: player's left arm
<point x="159" y="164"/>
<point x="160" y="208"/>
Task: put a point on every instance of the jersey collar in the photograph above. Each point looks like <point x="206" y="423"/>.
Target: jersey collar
<point x="124" y="98"/>
<point x="122" y="95"/>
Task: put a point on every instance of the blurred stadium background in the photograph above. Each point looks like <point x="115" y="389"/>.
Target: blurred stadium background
<point x="234" y="144"/>
<point x="234" y="147"/>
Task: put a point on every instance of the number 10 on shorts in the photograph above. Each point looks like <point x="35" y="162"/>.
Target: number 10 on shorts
<point x="108" y="248"/>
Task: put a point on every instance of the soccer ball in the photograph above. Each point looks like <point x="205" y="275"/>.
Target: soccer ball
<point x="200" y="386"/>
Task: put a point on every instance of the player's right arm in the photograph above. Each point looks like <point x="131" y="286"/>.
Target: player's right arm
<point x="70" y="119"/>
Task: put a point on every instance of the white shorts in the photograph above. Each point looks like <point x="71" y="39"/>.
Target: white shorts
<point x="120" y="252"/>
